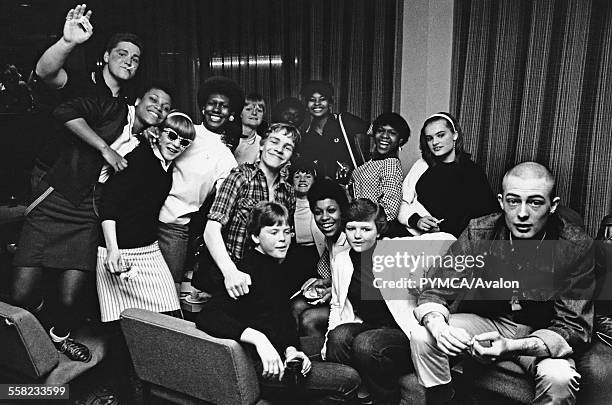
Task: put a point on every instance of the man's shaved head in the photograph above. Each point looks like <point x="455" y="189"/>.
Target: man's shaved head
<point x="528" y="200"/>
<point x="530" y="171"/>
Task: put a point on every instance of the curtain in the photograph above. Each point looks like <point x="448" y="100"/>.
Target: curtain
<point x="269" y="46"/>
<point x="532" y="80"/>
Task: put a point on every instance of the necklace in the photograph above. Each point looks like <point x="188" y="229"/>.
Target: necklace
<point x="537" y="247"/>
<point x="249" y="139"/>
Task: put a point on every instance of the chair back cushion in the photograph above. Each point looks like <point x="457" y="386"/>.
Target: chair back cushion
<point x="26" y="347"/>
<point x="174" y="354"/>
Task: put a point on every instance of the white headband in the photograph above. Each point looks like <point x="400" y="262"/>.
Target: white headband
<point x="179" y="114"/>
<point x="446" y="117"/>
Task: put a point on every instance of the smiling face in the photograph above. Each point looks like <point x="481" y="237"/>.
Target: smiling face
<point x="527" y="204"/>
<point x="276" y="149"/>
<point x="318" y="105"/>
<point x="328" y="217"/>
<point x="386" y="139"/>
<point x="252" y="114"/>
<point x="273" y="240"/>
<point x="171" y="145"/>
<point x="302" y="181"/>
<point x="152" y="108"/>
<point x="441" y="140"/>
<point x="361" y="235"/>
<point x="215" y="111"/>
<point x="123" y="60"/>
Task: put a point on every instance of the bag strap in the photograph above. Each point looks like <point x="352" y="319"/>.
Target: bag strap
<point x="40" y="199"/>
<point x="348" y="145"/>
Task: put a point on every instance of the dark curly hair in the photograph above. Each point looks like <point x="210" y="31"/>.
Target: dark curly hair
<point x="325" y="188"/>
<point x="224" y="86"/>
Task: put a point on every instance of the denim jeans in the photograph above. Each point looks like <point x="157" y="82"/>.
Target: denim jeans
<point x="556" y="379"/>
<point x="595" y="366"/>
<point x="381" y="355"/>
<point x="327" y="383"/>
<point x="173" y="241"/>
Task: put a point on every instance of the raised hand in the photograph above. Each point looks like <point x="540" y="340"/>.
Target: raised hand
<point x="78" y="28"/>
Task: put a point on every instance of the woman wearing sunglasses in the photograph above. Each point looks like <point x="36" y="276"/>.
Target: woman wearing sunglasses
<point x="131" y="272"/>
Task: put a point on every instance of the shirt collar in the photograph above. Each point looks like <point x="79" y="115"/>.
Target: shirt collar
<point x="165" y="165"/>
<point x="282" y="177"/>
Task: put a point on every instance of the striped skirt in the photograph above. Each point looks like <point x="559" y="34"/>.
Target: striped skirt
<point x="150" y="286"/>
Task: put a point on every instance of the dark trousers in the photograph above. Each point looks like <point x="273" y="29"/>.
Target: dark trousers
<point x="381" y="355"/>
<point x="326" y="383"/>
<point x="595" y="367"/>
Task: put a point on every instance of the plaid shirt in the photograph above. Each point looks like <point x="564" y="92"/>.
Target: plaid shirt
<point x="243" y="188"/>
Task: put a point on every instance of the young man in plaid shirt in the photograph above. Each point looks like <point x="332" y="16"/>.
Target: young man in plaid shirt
<point x="225" y="234"/>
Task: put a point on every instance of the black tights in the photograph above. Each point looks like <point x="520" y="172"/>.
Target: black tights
<point x="73" y="286"/>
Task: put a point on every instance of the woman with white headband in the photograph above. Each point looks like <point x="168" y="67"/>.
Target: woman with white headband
<point x="131" y="271"/>
<point x="444" y="189"/>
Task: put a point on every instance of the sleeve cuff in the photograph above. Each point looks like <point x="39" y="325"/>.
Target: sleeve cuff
<point x="414" y="220"/>
<point x="216" y="216"/>
<point x="424" y="309"/>
<point x="556" y="344"/>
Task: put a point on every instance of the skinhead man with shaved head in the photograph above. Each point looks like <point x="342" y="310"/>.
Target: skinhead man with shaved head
<point x="527" y="299"/>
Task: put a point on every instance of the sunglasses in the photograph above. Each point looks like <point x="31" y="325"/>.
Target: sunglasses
<point x="173" y="136"/>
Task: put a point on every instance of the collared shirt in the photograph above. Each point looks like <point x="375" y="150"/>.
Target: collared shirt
<point x="79" y="84"/>
<point x="245" y="186"/>
<point x="165" y="164"/>
<point x="77" y="170"/>
<point x="201" y="167"/>
<point x="332" y="250"/>
<point x="124" y="144"/>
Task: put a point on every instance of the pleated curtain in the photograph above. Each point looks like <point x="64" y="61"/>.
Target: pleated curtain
<point x="532" y="80"/>
<point x="268" y="46"/>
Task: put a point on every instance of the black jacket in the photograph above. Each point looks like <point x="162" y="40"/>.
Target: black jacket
<point x="77" y="170"/>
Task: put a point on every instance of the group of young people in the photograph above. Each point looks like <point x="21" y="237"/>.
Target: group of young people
<point x="291" y="214"/>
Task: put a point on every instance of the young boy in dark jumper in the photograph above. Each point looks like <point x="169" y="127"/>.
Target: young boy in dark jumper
<point x="262" y="317"/>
